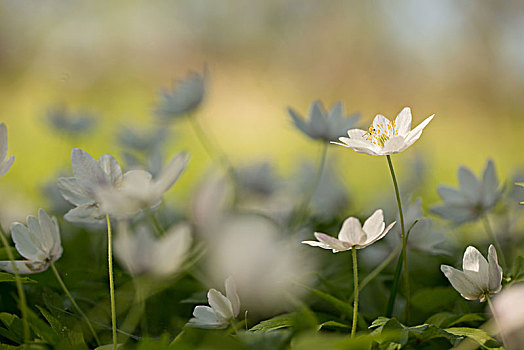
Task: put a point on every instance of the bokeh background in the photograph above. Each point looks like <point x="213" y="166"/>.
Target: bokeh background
<point x="460" y="60"/>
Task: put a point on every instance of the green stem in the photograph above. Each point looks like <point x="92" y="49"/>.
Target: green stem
<point x="111" y="282"/>
<point x="302" y="209"/>
<point x="404" y="243"/>
<point x="75" y="305"/>
<point x="154" y="221"/>
<point x="496" y="320"/>
<point x="379" y="268"/>
<point x="493" y="238"/>
<point x="355" y="298"/>
<point x="22" y="303"/>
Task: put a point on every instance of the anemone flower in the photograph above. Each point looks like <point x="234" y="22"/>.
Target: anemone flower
<point x="5" y="164"/>
<point x="384" y="137"/>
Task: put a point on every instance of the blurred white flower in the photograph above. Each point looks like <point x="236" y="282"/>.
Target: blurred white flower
<point x="142" y="253"/>
<point x="472" y="199"/>
<point x="182" y="98"/>
<point x="478" y="276"/>
<point x="352" y="234"/>
<point x="384" y="136"/>
<point x="508" y="308"/>
<point x="39" y="243"/>
<point x="223" y="308"/>
<point x="323" y="125"/>
<point x="137" y="189"/>
<point x="5" y="164"/>
<point x="90" y="176"/>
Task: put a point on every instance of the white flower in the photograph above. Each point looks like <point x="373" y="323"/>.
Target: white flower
<point x="472" y="199"/>
<point x="142" y="253"/>
<point x="508" y="308"/>
<point x="479" y="276"/>
<point x="137" y="189"/>
<point x="39" y="243"/>
<point x="384" y="136"/>
<point x="90" y="176"/>
<point x="4" y="164"/>
<point x="352" y="234"/>
<point x="222" y="308"/>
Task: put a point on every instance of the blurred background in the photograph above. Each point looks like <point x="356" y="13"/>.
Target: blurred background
<point x="460" y="60"/>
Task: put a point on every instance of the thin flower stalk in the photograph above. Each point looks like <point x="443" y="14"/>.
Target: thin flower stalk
<point x="111" y="282"/>
<point x="22" y="303"/>
<point x="404" y="263"/>
<point x="355" y="298"/>
<point x="73" y="302"/>
<point x="493" y="238"/>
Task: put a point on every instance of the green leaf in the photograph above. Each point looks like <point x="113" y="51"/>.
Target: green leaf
<point x="340" y="305"/>
<point x="447" y="319"/>
<point x="265" y="340"/>
<point x="476" y="334"/>
<point x="517" y="271"/>
<point x="14" y="327"/>
<point x="432" y="299"/>
<point x="108" y="346"/>
<point x="333" y="324"/>
<point x="277" y="322"/>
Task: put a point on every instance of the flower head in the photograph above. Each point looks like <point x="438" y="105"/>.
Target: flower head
<point x="324" y="125"/>
<point x="222" y="308"/>
<point x="38" y="242"/>
<point x="353" y="235"/>
<point x="508" y="310"/>
<point x="5" y="164"/>
<point x="384" y="136"/>
<point x="184" y="96"/>
<point x="472" y="199"/>
<point x="479" y="276"/>
<point x="62" y="120"/>
<point x="141" y="253"/>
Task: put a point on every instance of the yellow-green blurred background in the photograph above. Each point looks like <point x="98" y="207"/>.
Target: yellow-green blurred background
<point x="461" y="60"/>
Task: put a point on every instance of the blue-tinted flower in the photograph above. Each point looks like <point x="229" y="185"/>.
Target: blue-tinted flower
<point x="472" y="199"/>
<point x="479" y="276"/>
<point x="38" y="242"/>
<point x="384" y="136"/>
<point x="5" y="164"/>
<point x="62" y="120"/>
<point x="184" y="96"/>
<point x="324" y="125"/>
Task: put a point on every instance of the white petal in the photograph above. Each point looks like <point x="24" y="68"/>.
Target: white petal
<point x="469" y="185"/>
<point x="352" y="232"/>
<point x="403" y="122"/>
<point x="171" y="250"/>
<point x="460" y="282"/>
<point x="476" y="268"/>
<point x="87" y="171"/>
<point x="452" y="196"/>
<point x="24" y="267"/>
<point x="6" y="165"/>
<point x="414" y="134"/>
<point x="26" y="244"/>
<point x="374" y="225"/>
<point x="356" y="134"/>
<point x="171" y="173"/>
<point x="3" y="142"/>
<point x="206" y="318"/>
<point x="47" y="237"/>
<point x="395" y="144"/>
<point x="495" y="271"/>
<point x="111" y="168"/>
<point x="88" y="213"/>
<point x="369" y="149"/>
<point x="72" y="192"/>
<point x="490" y="184"/>
<point x="220" y="305"/>
<point x="372" y="239"/>
<point x="379" y="119"/>
<point x="231" y="294"/>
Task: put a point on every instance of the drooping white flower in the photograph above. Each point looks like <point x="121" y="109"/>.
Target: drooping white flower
<point x="137" y="189"/>
<point x="324" y="125"/>
<point x="508" y="308"/>
<point x="353" y="235"/>
<point x="39" y="243"/>
<point x="5" y="164"/>
<point x="142" y="253"/>
<point x="472" y="199"/>
<point x="384" y="136"/>
<point x="90" y="177"/>
<point x="479" y="276"/>
<point x="222" y="308"/>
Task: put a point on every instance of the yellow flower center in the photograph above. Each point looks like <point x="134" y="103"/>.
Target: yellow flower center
<point x="379" y="133"/>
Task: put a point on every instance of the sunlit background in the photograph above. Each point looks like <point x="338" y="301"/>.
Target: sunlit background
<point x="460" y="60"/>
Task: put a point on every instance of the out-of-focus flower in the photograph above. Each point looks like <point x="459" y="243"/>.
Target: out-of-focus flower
<point x="323" y="125"/>
<point x="138" y="190"/>
<point x="384" y="136"/>
<point x="142" y="141"/>
<point x="90" y="176"/>
<point x="184" y="96"/>
<point x="257" y="178"/>
<point x="61" y="120"/>
<point x="508" y="310"/>
<point x="222" y="308"/>
<point x="142" y="253"/>
<point x="4" y="164"/>
<point x="472" y="199"/>
<point x="39" y="243"/>
<point x="478" y="276"/>
<point x="521" y="184"/>
<point x="353" y="235"/>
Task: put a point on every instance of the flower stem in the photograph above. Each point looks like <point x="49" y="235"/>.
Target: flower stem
<point x="355" y="297"/>
<point x="379" y="268"/>
<point x="496" y="320"/>
<point x="22" y="304"/>
<point x="304" y="204"/>
<point x="493" y="238"/>
<point x="111" y="282"/>
<point x="404" y="244"/>
<point x="75" y="305"/>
